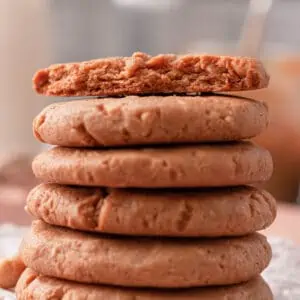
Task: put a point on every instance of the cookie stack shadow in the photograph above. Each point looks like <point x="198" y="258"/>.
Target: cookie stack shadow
<point x="149" y="195"/>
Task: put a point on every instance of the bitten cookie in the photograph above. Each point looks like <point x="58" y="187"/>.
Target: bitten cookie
<point x="35" y="287"/>
<point x="178" y="166"/>
<point x="143" y="262"/>
<point x="211" y="213"/>
<point x="150" y="120"/>
<point x="142" y="74"/>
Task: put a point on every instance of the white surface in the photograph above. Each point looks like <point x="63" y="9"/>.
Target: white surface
<point x="283" y="274"/>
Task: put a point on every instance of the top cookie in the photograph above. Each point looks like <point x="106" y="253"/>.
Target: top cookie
<point x="145" y="74"/>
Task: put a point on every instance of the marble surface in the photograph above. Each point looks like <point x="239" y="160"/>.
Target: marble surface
<point x="283" y="274"/>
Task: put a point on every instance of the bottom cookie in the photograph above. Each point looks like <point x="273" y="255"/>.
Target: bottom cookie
<point x="33" y="286"/>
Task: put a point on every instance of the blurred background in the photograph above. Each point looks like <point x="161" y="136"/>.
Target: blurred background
<point x="36" y="33"/>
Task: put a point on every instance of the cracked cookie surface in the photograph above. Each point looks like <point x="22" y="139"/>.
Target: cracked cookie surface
<point x="210" y="213"/>
<point x="150" y="120"/>
<point x="142" y="74"/>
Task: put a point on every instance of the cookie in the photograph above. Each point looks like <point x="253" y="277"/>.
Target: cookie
<point x="35" y="287"/>
<point x="143" y="262"/>
<point x="144" y="74"/>
<point x="210" y="213"/>
<point x="150" y="120"/>
<point x="178" y="166"/>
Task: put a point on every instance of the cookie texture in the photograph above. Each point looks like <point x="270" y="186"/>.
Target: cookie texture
<point x="150" y="120"/>
<point x="142" y="74"/>
<point x="35" y="287"/>
<point x="143" y="262"/>
<point x="178" y="166"/>
<point x="210" y="213"/>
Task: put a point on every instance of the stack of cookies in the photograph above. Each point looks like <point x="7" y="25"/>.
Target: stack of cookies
<point x="149" y="194"/>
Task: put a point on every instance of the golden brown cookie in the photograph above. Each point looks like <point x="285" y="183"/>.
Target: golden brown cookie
<point x="143" y="262"/>
<point x="179" y="166"/>
<point x="35" y="287"/>
<point x="150" y="120"/>
<point x="215" y="212"/>
<point x="142" y="74"/>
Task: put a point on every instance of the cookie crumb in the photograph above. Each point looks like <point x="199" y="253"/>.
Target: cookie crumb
<point x="10" y="271"/>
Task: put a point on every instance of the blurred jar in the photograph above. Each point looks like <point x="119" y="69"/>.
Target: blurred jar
<point x="24" y="48"/>
<point x="282" y="137"/>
